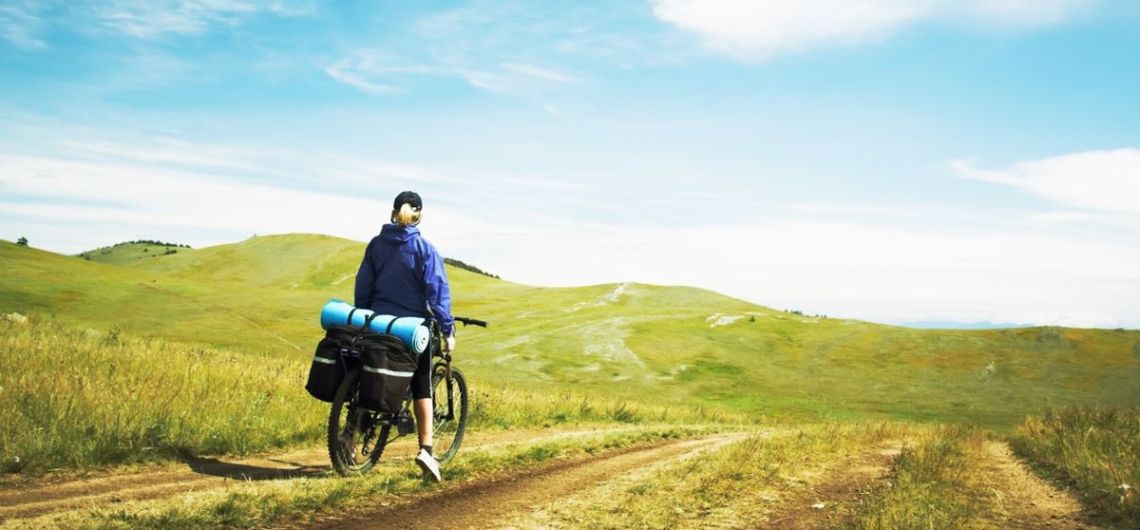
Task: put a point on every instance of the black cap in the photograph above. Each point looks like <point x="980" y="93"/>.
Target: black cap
<point x="408" y="197"/>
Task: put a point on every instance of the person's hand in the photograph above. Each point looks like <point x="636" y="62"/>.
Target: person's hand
<point x="449" y="344"/>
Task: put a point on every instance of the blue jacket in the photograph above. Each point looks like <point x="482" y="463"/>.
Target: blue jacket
<point x="403" y="275"/>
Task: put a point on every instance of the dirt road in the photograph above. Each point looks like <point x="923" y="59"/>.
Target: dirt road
<point x="492" y="503"/>
<point x="1015" y="497"/>
<point x="26" y="498"/>
<point x="1023" y="500"/>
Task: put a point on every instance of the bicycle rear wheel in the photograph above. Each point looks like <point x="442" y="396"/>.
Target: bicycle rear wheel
<point x="357" y="437"/>
<point x="450" y="411"/>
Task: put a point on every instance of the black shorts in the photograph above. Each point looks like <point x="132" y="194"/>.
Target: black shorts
<point x="421" y="379"/>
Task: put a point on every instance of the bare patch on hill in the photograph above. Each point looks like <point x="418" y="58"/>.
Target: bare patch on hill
<point x="606" y="341"/>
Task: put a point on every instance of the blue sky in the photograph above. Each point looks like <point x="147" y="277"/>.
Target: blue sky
<point x="881" y="159"/>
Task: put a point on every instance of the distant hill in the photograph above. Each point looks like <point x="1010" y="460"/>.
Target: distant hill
<point x="948" y="324"/>
<point x="629" y="341"/>
<point x="130" y="251"/>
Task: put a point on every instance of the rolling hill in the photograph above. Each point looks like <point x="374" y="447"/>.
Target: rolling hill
<point x="632" y="341"/>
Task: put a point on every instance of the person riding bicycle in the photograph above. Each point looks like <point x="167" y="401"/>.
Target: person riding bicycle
<point x="403" y="275"/>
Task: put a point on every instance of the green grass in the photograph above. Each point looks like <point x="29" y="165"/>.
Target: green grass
<point x="1095" y="450"/>
<point x="77" y="398"/>
<point x="624" y="346"/>
<point x="130" y="253"/>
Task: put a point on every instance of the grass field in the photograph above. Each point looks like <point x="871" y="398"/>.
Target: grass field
<point x="681" y="345"/>
<point x="84" y="398"/>
<point x="125" y="357"/>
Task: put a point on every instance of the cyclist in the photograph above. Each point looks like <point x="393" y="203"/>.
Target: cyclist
<point x="403" y="275"/>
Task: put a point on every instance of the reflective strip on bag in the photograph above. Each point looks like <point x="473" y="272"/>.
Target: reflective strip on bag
<point x="319" y="359"/>
<point x="385" y="371"/>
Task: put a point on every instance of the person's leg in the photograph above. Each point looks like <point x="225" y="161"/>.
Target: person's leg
<point x="424" y="421"/>
<point x="422" y="407"/>
<point x="422" y="402"/>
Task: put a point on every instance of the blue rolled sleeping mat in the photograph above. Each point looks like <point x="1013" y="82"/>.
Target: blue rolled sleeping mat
<point x="410" y="330"/>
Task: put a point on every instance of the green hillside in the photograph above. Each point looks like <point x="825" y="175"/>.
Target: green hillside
<point x="130" y="252"/>
<point x="630" y="341"/>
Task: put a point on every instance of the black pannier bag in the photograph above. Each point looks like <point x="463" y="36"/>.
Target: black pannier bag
<point x="329" y="368"/>
<point x="386" y="368"/>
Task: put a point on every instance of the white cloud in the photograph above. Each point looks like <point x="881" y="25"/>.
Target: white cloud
<point x="1107" y="181"/>
<point x="886" y="273"/>
<point x="545" y="230"/>
<point x="883" y="273"/>
<point x="143" y="199"/>
<point x="758" y="29"/>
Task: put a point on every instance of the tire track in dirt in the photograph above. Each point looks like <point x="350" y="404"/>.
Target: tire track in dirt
<point x="1024" y="501"/>
<point x="489" y="502"/>
<point x="26" y="498"/>
<point x="1018" y="498"/>
<point x="828" y="502"/>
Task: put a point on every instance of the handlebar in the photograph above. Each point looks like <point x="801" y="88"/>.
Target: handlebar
<point x="471" y="321"/>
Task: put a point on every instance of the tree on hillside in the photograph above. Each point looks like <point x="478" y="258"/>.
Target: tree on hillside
<point x="23" y="241"/>
<point x="459" y="264"/>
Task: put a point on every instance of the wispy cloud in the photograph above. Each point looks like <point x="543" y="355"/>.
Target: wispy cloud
<point x="545" y="74"/>
<point x="21" y="23"/>
<point x="380" y="73"/>
<point x="759" y="29"/>
<point x="150" y="18"/>
<point x="1107" y="181"/>
<point x="19" y="26"/>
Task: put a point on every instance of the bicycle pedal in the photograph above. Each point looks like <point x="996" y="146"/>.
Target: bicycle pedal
<point x="404" y="424"/>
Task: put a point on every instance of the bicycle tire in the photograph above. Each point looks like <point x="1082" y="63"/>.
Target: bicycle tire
<point x="450" y="412"/>
<point x="345" y="414"/>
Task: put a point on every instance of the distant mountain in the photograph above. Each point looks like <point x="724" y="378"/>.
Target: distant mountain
<point x="949" y="324"/>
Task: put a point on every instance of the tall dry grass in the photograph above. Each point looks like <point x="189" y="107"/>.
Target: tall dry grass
<point x="1094" y="449"/>
<point x="78" y="398"/>
<point x="935" y="484"/>
<point x="73" y="398"/>
<point x="501" y="406"/>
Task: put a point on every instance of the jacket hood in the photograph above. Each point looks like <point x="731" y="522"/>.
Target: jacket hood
<point x="394" y="233"/>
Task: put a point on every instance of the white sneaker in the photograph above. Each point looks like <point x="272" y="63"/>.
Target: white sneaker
<point x="429" y="464"/>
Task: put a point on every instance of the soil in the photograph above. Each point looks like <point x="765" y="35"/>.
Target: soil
<point x="827" y="503"/>
<point x="1024" y="500"/>
<point x="22" y="498"/>
<point x="491" y="502"/>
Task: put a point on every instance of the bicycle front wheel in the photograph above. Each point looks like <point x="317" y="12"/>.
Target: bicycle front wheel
<point x="356" y="436"/>
<point x="450" y="411"/>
